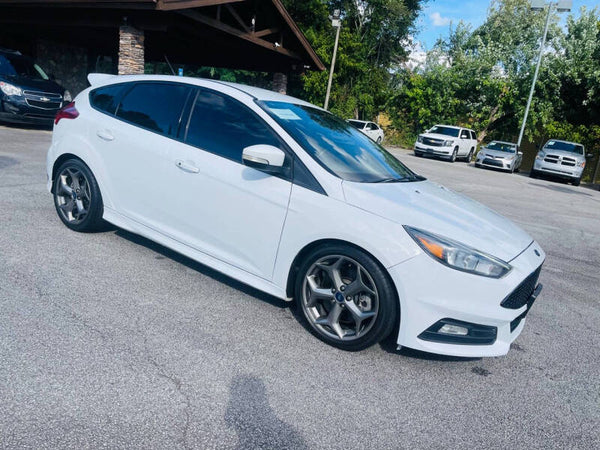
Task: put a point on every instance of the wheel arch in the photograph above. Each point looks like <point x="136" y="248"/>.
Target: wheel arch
<point x="303" y="253"/>
<point x="59" y="161"/>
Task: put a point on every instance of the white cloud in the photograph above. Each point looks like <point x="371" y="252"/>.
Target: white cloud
<point x="438" y="20"/>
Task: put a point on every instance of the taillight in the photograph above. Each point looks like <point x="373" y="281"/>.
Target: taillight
<point x="66" y="112"/>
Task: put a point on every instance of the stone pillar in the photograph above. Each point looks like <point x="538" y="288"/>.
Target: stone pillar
<point x="131" y="50"/>
<point x="280" y="82"/>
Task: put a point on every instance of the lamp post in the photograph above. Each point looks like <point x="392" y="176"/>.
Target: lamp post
<point x="540" y="5"/>
<point x="336" y="23"/>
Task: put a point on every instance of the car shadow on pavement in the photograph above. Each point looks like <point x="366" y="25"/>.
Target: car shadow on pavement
<point x="201" y="268"/>
<point x="256" y="424"/>
<point x="566" y="190"/>
<point x="26" y="126"/>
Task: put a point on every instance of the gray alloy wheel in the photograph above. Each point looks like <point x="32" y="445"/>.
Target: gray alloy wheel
<point x="73" y="196"/>
<point x="379" y="140"/>
<point x="77" y="197"/>
<point x="470" y="156"/>
<point x="454" y="153"/>
<point x="340" y="298"/>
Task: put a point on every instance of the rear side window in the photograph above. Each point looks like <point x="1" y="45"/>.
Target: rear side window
<point x="155" y="106"/>
<point x="106" y="99"/>
<point x="223" y="126"/>
<point x="473" y="135"/>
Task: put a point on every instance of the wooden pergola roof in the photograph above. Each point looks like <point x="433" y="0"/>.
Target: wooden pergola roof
<point x="239" y="34"/>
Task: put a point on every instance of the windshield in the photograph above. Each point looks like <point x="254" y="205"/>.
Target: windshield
<point x="502" y="147"/>
<point x="564" y="146"/>
<point x="20" y="66"/>
<point x="357" y="124"/>
<point x="445" y="130"/>
<point x="337" y="145"/>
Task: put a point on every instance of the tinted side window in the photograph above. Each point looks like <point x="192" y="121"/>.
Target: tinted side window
<point x="224" y="126"/>
<point x="155" y="106"/>
<point x="106" y="98"/>
<point x="464" y="134"/>
<point x="473" y="135"/>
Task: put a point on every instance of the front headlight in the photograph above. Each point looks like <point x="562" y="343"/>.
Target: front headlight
<point x="448" y="143"/>
<point x="581" y="164"/>
<point x="420" y="139"/>
<point x="67" y="97"/>
<point x="541" y="155"/>
<point x="481" y="155"/>
<point x="458" y="256"/>
<point x="9" y="89"/>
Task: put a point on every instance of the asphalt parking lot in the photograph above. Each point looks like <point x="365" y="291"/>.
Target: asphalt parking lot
<point x="109" y="340"/>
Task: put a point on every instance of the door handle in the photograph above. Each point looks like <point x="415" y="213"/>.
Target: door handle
<point x="105" y="135"/>
<point x="186" y="166"/>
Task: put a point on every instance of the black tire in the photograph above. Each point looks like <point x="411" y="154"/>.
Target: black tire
<point x="453" y="156"/>
<point x="379" y="140"/>
<point x="90" y="198"/>
<point x="577" y="181"/>
<point x="470" y="156"/>
<point x="388" y="308"/>
<point x="418" y="154"/>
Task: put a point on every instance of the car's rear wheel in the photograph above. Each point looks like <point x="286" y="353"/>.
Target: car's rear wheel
<point x="346" y="297"/>
<point x="77" y="197"/>
<point x="470" y="156"/>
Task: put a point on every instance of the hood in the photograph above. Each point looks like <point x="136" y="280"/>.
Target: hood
<point x="29" y="84"/>
<point x="496" y="153"/>
<point x="434" y="208"/>
<point x="563" y="153"/>
<point x="443" y="137"/>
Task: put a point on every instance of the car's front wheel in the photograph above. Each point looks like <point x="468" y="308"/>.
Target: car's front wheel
<point x="379" y="140"/>
<point x="453" y="156"/>
<point x="77" y="197"/>
<point x="577" y="181"/>
<point x="346" y="297"/>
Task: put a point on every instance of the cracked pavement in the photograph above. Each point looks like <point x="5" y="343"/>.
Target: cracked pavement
<point x="109" y="340"/>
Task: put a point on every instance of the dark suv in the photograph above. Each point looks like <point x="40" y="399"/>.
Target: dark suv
<point x="27" y="94"/>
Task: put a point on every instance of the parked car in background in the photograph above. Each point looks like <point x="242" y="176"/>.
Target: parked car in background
<point x="297" y="203"/>
<point x="448" y="142"/>
<point x="27" y="94"/>
<point x="561" y="159"/>
<point x="371" y="129"/>
<point x="500" y="155"/>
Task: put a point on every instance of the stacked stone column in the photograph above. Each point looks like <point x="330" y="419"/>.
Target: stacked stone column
<point x="131" y="50"/>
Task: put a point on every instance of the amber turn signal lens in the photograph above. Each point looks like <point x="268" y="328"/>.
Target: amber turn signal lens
<point x="435" y="249"/>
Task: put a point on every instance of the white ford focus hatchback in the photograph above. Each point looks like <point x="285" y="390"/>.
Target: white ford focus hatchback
<point x="286" y="197"/>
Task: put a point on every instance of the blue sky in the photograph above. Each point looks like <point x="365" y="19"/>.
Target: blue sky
<point x="437" y="15"/>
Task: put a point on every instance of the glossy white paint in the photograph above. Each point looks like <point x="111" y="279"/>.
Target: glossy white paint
<point x="251" y="225"/>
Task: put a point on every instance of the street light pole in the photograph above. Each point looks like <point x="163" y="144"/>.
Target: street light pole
<point x="538" y="5"/>
<point x="336" y="22"/>
<point x="535" y="75"/>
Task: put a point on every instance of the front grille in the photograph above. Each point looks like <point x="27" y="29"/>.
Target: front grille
<point x="43" y="100"/>
<point x="568" y="161"/>
<point x="520" y="296"/>
<point x="43" y="105"/>
<point x="493" y="162"/>
<point x="433" y="142"/>
<point x="551" y="159"/>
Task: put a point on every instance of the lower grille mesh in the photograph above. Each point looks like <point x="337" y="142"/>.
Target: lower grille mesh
<point x="519" y="297"/>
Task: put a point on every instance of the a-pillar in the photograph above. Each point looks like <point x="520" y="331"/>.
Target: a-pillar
<point x="280" y="82"/>
<point x="131" y="50"/>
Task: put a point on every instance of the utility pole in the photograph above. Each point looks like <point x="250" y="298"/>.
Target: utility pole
<point x="539" y="5"/>
<point x="336" y="23"/>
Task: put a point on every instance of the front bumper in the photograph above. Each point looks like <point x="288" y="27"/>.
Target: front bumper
<point x="17" y="110"/>
<point x="558" y="170"/>
<point x="430" y="292"/>
<point x="432" y="150"/>
<point x="494" y="163"/>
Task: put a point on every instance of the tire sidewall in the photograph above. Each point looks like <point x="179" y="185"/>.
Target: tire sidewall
<point x="93" y="219"/>
<point x="389" y="305"/>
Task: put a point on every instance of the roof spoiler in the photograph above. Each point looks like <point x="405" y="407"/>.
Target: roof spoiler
<point x="99" y="78"/>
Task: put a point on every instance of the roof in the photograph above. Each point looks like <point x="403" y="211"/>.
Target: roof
<point x="240" y="34"/>
<point x="98" y="79"/>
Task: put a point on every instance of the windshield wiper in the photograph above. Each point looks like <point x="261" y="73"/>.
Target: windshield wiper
<point x="401" y="180"/>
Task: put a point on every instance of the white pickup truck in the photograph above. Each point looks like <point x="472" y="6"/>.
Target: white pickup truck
<point x="447" y="141"/>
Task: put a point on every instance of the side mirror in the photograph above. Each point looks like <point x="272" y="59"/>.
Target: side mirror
<point x="590" y="156"/>
<point x="265" y="158"/>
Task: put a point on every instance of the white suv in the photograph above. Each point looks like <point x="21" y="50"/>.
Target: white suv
<point x="448" y="142"/>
